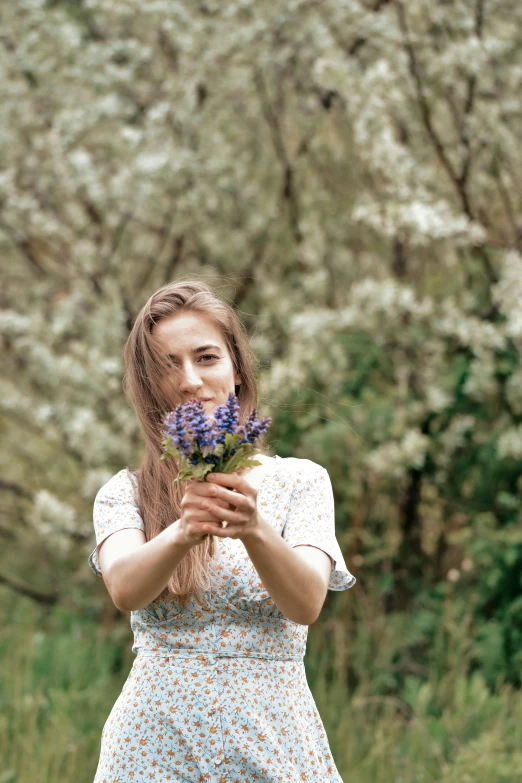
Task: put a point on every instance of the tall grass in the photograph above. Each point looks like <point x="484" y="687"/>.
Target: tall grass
<point x="60" y="675"/>
<point x="448" y="728"/>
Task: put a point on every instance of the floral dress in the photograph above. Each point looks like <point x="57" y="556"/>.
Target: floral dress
<point x="217" y="692"/>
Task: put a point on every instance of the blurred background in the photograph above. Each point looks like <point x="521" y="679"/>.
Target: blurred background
<point x="348" y="173"/>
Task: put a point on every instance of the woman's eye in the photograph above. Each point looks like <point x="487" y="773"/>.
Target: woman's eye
<point x="173" y="362"/>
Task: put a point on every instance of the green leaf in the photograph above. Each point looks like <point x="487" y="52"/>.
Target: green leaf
<point x="209" y="469"/>
<point x="170" y="450"/>
<point x="220" y="448"/>
<point x="231" y="440"/>
<point x="240" y="459"/>
<point x="199" y="470"/>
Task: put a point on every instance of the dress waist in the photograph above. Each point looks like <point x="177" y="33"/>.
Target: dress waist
<point x="208" y="655"/>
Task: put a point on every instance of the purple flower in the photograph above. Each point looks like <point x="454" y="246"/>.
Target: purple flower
<point x="253" y="429"/>
<point x="203" y="430"/>
<point x="196" y="436"/>
<point x="227" y="416"/>
<point x="175" y="429"/>
<point x="190" y="428"/>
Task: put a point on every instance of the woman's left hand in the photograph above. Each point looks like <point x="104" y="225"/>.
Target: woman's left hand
<point x="242" y="518"/>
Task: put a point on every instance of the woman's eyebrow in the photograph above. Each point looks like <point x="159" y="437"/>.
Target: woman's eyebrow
<point x="200" y="349"/>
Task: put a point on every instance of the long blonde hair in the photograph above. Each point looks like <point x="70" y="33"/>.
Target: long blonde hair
<point x="151" y="388"/>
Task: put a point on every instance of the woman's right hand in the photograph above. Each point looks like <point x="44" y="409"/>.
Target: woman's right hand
<point x="193" y="517"/>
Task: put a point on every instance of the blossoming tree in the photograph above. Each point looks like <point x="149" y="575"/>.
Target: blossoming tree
<point x="349" y="172"/>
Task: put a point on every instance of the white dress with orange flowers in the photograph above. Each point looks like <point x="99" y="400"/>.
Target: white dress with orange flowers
<point x="218" y="691"/>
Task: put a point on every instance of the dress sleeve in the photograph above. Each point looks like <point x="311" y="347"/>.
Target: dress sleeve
<point x="115" y="508"/>
<point x="311" y="520"/>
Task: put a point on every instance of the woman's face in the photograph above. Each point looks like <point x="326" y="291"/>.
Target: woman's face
<point x="199" y="358"/>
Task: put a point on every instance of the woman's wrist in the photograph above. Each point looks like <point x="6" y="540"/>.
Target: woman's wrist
<point x="176" y="537"/>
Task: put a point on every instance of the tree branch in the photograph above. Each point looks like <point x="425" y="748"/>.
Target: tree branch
<point x="505" y="198"/>
<point x="459" y="179"/>
<point x="288" y="191"/>
<point x="117" y="237"/>
<point x="422" y="99"/>
<point x="24" y="247"/>
<point x="362" y="40"/>
<point x="31" y="592"/>
<point x="175" y="258"/>
<point x="16" y="489"/>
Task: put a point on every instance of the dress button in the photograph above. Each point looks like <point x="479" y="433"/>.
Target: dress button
<point x="218" y="761"/>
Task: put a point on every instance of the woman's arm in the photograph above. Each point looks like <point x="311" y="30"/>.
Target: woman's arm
<point x="136" y="577"/>
<point x="297" y="587"/>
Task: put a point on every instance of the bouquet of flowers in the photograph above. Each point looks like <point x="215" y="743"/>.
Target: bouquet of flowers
<point x="202" y="445"/>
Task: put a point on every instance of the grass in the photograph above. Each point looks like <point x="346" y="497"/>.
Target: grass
<point x="60" y="674"/>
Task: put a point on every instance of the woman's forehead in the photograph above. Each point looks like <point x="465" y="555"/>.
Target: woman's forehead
<point x="188" y="332"/>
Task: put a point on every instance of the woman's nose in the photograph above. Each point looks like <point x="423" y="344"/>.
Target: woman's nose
<point x="191" y="385"/>
<point x="190" y="382"/>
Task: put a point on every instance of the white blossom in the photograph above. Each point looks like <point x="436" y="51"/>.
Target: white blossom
<point x="247" y="134"/>
<point x="54" y="520"/>
<point x="507" y="294"/>
<point x="393" y="459"/>
<point x="510" y="443"/>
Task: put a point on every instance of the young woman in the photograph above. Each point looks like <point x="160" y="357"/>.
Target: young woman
<point x="220" y="612"/>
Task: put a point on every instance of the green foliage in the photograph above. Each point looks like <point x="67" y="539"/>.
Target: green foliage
<point x="348" y="176"/>
<point x="61" y="674"/>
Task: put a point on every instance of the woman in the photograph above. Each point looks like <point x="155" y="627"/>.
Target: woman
<point x="222" y="578"/>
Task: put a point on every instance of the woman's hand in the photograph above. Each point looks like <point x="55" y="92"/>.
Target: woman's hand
<point x="242" y="518"/>
<point x="222" y="497"/>
<point x="194" y="517"/>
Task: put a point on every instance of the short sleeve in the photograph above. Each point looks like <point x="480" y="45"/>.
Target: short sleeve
<point x="311" y="520"/>
<point x="115" y="508"/>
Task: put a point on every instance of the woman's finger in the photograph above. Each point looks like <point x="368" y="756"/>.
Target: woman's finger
<point x="195" y="502"/>
<point x="231" y="530"/>
<point x="206" y="516"/>
<point x="221" y="495"/>
<point x="222" y="513"/>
